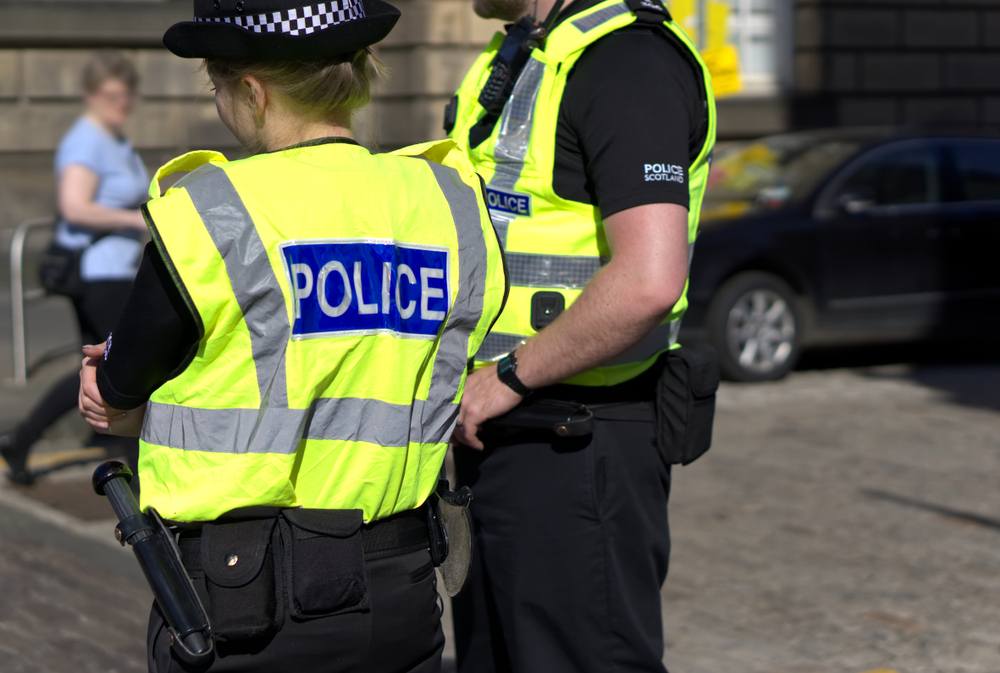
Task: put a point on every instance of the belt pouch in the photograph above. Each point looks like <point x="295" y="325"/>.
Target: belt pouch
<point x="324" y="562"/>
<point x="238" y="563"/>
<point x="685" y="403"/>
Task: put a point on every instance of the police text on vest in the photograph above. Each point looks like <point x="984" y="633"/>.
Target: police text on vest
<point x="512" y="203"/>
<point x="664" y="173"/>
<point x="345" y="287"/>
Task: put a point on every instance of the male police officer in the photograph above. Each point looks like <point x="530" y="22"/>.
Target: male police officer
<point x="595" y="165"/>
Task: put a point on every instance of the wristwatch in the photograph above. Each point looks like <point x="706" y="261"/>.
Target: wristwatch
<point x="507" y="372"/>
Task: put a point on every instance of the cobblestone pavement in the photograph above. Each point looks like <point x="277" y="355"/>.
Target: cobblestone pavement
<point x="846" y="520"/>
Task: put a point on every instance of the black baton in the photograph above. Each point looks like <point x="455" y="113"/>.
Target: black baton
<point x="188" y="630"/>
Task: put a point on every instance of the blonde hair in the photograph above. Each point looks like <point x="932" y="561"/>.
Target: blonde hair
<point x="108" y="64"/>
<point x="328" y="91"/>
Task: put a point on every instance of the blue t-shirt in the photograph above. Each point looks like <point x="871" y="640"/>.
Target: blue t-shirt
<point x="123" y="183"/>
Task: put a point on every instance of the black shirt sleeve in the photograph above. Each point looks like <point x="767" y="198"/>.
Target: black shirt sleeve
<point x="627" y="123"/>
<point x="155" y="337"/>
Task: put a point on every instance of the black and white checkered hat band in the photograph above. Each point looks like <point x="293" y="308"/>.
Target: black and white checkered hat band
<point x="298" y="21"/>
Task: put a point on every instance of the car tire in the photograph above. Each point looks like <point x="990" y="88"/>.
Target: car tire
<point x="755" y="325"/>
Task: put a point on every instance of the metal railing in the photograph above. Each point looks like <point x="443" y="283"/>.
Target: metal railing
<point x="18" y="296"/>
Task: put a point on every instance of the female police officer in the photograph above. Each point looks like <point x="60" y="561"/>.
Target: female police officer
<point x="295" y="346"/>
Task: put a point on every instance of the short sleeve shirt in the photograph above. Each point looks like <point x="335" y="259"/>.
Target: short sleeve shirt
<point x="123" y="182"/>
<point x="629" y="117"/>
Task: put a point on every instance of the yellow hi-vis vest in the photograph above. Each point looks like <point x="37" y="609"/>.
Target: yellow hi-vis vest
<point x="340" y="296"/>
<point x="552" y="244"/>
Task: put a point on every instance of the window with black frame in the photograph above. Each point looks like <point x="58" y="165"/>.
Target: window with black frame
<point x="977" y="167"/>
<point x="893" y="178"/>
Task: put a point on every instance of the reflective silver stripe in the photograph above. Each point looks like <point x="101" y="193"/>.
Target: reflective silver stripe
<point x="275" y="428"/>
<point x="511" y="148"/>
<point x="526" y="269"/>
<point x="256" y="287"/>
<point x="501" y="223"/>
<point x="191" y="177"/>
<point x="588" y="23"/>
<point x="567" y="271"/>
<point x="498" y="344"/>
<point x="453" y="347"/>
<point x="279" y="431"/>
<point x="224" y="430"/>
<point x="661" y="338"/>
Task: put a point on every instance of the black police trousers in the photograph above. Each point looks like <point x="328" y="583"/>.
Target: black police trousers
<point x="571" y="551"/>
<point x="399" y="633"/>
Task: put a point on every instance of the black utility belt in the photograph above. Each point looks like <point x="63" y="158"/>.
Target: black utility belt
<point x="677" y="395"/>
<point x="310" y="561"/>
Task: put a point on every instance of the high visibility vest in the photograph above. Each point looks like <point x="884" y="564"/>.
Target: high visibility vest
<point x="553" y="244"/>
<point x="340" y="296"/>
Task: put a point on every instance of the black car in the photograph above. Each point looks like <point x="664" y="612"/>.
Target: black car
<point x="845" y="236"/>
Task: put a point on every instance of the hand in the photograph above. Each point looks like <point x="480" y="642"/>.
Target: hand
<point x="105" y="419"/>
<point x="486" y="396"/>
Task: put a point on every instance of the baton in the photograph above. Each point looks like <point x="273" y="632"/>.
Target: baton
<point x="188" y="629"/>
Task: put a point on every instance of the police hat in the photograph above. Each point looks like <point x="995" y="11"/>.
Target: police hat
<point x="280" y="30"/>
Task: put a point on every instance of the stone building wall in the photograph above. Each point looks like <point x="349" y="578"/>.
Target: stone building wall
<point x="894" y="62"/>
<point x="44" y="44"/>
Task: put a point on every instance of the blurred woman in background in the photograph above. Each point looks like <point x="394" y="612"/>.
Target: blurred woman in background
<point x="102" y="182"/>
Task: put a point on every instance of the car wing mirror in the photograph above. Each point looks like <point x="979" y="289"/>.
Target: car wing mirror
<point x="855" y="201"/>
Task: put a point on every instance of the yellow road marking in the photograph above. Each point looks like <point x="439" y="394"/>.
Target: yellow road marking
<point x="50" y="459"/>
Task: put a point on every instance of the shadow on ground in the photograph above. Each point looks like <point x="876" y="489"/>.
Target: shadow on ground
<point x="949" y="512"/>
<point x="967" y="372"/>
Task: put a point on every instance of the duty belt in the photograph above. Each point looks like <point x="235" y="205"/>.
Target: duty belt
<point x="395" y="535"/>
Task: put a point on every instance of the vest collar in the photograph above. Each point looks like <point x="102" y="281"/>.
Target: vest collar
<point x="576" y="7"/>
<point x="329" y="140"/>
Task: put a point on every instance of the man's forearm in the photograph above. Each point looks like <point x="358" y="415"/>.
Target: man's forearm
<point x="621" y="304"/>
<point x="598" y="327"/>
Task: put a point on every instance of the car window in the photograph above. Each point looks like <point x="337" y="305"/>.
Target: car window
<point x="772" y="171"/>
<point x="977" y="165"/>
<point x="894" y="177"/>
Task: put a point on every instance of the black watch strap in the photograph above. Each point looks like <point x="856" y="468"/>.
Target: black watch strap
<point x="507" y="372"/>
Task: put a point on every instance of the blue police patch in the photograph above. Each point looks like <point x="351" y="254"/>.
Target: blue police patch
<point x="508" y="202"/>
<point x="356" y="286"/>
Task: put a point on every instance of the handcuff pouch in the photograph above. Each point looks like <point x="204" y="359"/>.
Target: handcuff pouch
<point x="324" y="562"/>
<point x="238" y="562"/>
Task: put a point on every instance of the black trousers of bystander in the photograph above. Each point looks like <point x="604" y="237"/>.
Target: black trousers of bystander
<point x="97" y="312"/>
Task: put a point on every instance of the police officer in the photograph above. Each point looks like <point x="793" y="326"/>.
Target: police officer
<point x="595" y="161"/>
<point x="294" y="349"/>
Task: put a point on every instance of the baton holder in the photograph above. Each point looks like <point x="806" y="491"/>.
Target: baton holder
<point x="188" y="630"/>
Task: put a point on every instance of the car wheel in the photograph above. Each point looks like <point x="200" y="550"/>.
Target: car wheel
<point x="754" y="323"/>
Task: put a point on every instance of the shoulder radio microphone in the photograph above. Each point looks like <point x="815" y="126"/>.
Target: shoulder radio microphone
<point x="522" y="37"/>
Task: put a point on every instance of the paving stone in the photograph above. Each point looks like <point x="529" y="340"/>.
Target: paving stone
<point x="843" y="521"/>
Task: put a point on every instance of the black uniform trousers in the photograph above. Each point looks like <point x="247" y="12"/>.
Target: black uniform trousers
<point x="571" y="551"/>
<point x="399" y="633"/>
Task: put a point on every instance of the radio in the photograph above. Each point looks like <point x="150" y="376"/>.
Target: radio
<point x="513" y="54"/>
